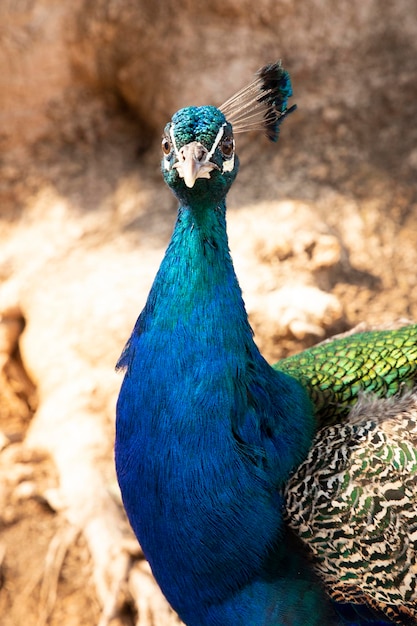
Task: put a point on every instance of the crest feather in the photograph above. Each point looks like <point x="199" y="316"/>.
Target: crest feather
<point x="261" y="105"/>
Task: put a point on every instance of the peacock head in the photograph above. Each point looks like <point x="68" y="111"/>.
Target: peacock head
<point x="199" y="158"/>
<point x="199" y="162"/>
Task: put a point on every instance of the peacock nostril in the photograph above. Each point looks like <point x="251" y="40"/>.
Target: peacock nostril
<point x="195" y="150"/>
<point x="200" y="152"/>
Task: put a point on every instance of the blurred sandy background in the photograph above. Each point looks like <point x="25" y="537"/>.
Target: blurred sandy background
<point x="322" y="229"/>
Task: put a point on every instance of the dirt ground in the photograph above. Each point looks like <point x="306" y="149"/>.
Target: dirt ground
<point x="323" y="233"/>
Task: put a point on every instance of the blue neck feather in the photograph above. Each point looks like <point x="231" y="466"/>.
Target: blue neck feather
<point x="207" y="433"/>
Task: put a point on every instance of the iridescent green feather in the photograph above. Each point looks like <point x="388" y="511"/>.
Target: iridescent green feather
<point x="335" y="372"/>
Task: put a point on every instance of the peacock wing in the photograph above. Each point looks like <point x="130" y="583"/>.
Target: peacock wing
<point x="353" y="502"/>
<point x="335" y="372"/>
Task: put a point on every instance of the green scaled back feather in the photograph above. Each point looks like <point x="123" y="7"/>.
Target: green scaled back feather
<point x="334" y="373"/>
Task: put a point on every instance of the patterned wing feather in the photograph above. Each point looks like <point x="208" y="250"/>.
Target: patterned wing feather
<point x="353" y="502"/>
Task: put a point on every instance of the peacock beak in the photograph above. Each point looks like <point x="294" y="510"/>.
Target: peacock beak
<point x="193" y="163"/>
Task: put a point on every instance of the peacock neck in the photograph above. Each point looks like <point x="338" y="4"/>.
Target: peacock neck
<point x="196" y="286"/>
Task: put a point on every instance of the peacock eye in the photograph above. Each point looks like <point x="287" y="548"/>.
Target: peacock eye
<point x="166" y="145"/>
<point x="227" y="146"/>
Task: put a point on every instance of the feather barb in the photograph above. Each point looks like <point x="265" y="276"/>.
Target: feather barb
<point x="261" y="105"/>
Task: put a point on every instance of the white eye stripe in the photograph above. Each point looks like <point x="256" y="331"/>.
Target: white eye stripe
<point x="228" y="164"/>
<point x="171" y="134"/>
<point x="216" y="142"/>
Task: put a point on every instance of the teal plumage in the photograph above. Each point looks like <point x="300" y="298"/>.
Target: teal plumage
<point x="214" y="447"/>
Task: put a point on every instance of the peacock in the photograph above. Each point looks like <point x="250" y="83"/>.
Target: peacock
<point x="261" y="495"/>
